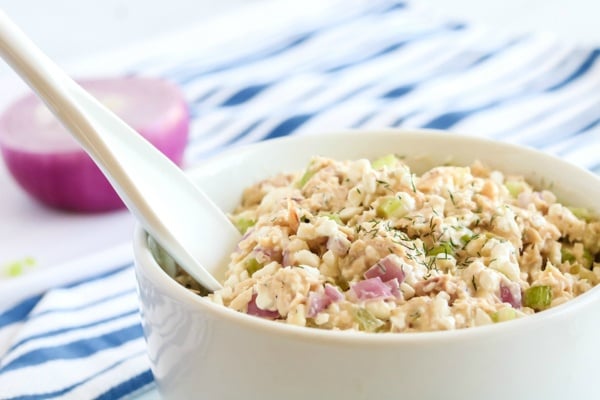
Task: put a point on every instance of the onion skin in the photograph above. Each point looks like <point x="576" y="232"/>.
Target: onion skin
<point x="68" y="179"/>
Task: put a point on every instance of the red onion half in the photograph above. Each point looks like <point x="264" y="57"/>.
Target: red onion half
<point x="50" y="165"/>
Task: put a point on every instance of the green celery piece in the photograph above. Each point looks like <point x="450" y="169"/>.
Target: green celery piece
<point x="584" y="273"/>
<point x="252" y="265"/>
<point x="582" y="213"/>
<point x="538" y="297"/>
<point x="442" y="248"/>
<point x="514" y="187"/>
<point x="504" y="314"/>
<point x="367" y="321"/>
<point x="14" y="269"/>
<point x="566" y="256"/>
<point x="18" y="268"/>
<point x="243" y="224"/>
<point x="388" y="160"/>
<point x="335" y="217"/>
<point x="391" y="207"/>
<point x="305" y="178"/>
<point x="588" y="259"/>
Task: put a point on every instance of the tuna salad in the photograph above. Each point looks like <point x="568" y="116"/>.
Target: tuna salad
<point x="371" y="246"/>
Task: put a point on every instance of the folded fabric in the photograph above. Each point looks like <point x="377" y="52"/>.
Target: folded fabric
<point x="371" y="64"/>
<point x="80" y="338"/>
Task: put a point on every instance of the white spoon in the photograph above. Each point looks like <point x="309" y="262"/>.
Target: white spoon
<point x="182" y="219"/>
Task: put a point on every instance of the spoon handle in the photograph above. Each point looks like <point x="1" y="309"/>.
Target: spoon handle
<point x="171" y="208"/>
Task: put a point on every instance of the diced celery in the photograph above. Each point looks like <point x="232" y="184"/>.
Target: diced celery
<point x="566" y="256"/>
<point x="28" y="261"/>
<point x="252" y="265"/>
<point x="588" y="259"/>
<point x="388" y="160"/>
<point x="574" y="270"/>
<point x="18" y="267"/>
<point x="305" y="178"/>
<point x="243" y="224"/>
<point x="538" y="297"/>
<point x="367" y="321"/>
<point x="391" y="207"/>
<point x="582" y="213"/>
<point x="586" y="274"/>
<point x="504" y="314"/>
<point x="335" y="217"/>
<point x="442" y="248"/>
<point x="14" y="269"/>
<point x="514" y="187"/>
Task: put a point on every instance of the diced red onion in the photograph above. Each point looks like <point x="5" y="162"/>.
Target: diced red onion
<point x="244" y="237"/>
<point x="373" y="288"/>
<point x="394" y="286"/>
<point x="51" y="166"/>
<point x="265" y="255"/>
<point x="247" y="234"/>
<point x="333" y="293"/>
<point x="318" y="301"/>
<point x="387" y="268"/>
<point x="510" y="292"/>
<point x="253" y="309"/>
<point x="338" y="245"/>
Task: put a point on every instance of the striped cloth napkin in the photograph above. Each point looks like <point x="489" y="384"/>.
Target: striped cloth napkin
<point x="345" y="64"/>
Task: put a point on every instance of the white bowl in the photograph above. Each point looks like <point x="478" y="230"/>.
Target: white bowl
<point x="199" y="349"/>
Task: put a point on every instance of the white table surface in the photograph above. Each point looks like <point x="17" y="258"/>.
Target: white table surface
<point x="54" y="238"/>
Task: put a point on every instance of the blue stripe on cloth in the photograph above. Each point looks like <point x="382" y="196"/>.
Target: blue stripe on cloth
<point x="129" y="386"/>
<point x="245" y="132"/>
<point x="487" y="56"/>
<point x="244" y="95"/>
<point x="288" y="126"/>
<point x="409" y="87"/>
<point x="503" y="46"/>
<point x="449" y="119"/>
<point x="98" y="277"/>
<point x="399" y="91"/>
<point x="294" y="42"/>
<point x="201" y="97"/>
<point x="70" y="388"/>
<point x="588" y="127"/>
<point x="76" y="349"/>
<point x="61" y="331"/>
<point x="395" y="7"/>
<point x="22" y="310"/>
<point x="197" y="69"/>
<point x="394" y="47"/>
<point x="19" y="312"/>
<point x="83" y="306"/>
<point x="585" y="67"/>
